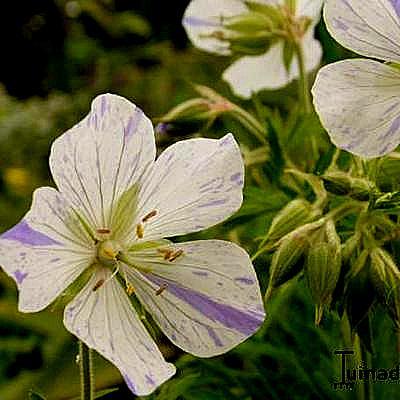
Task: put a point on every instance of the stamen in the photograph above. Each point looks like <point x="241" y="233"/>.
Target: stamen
<point x="99" y="284"/>
<point x="139" y="230"/>
<point x="161" y="289"/>
<point x="151" y="214"/>
<point x="103" y="230"/>
<point x="170" y="254"/>
<point x="175" y="255"/>
<point x="129" y="289"/>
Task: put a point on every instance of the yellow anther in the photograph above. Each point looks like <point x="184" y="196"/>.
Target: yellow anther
<point x="139" y="230"/>
<point x="151" y="214"/>
<point x="161" y="289"/>
<point x="170" y="254"/>
<point x="129" y="289"/>
<point x="175" y="255"/>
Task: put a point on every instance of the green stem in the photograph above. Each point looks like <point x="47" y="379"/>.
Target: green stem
<point x="86" y="372"/>
<point x="304" y="90"/>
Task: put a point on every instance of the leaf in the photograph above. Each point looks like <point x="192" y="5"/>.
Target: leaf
<point x="35" y="396"/>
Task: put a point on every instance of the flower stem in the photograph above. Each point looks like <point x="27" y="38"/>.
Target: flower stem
<point x="86" y="372"/>
<point x="304" y="90"/>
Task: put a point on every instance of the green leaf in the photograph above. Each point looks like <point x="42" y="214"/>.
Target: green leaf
<point x="35" y="396"/>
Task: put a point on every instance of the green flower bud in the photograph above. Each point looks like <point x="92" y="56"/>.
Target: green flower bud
<point x="248" y="22"/>
<point x="286" y="260"/>
<point x="343" y="184"/>
<point x="385" y="278"/>
<point x="323" y="265"/>
<point x="296" y="213"/>
<point x="389" y="169"/>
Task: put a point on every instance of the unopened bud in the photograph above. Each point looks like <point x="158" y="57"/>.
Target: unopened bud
<point x="389" y="169"/>
<point x="296" y="213"/>
<point x="285" y="261"/>
<point x="190" y="110"/>
<point x="343" y="184"/>
<point x="385" y="278"/>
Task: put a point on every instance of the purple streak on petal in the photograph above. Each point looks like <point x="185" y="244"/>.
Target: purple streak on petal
<point x="393" y="128"/>
<point x="24" y="234"/>
<point x="198" y="22"/>
<point x="243" y="322"/>
<point x="103" y="106"/>
<point x="246" y="281"/>
<point x="200" y="273"/>
<point x="214" y="203"/>
<point x="396" y="6"/>
<point x="20" y="276"/>
<point x="339" y="24"/>
<point x="150" y="380"/>
<point x="163" y="127"/>
<point x="214" y="337"/>
<point x="237" y="178"/>
<point x="130" y="384"/>
<point x="133" y="123"/>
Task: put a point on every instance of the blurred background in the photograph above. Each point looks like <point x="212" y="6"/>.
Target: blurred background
<point x="56" y="56"/>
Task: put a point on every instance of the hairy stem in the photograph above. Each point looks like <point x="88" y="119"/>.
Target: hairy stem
<point x="304" y="90"/>
<point x="86" y="372"/>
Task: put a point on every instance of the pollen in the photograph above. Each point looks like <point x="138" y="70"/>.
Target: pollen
<point x="150" y="215"/>
<point x="129" y="289"/>
<point x="170" y="254"/>
<point x="98" y="285"/>
<point x="161" y="289"/>
<point x="140" y="230"/>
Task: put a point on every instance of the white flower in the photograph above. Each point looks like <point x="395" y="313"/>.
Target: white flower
<point x="358" y="100"/>
<point x="113" y="207"/>
<point x="251" y="74"/>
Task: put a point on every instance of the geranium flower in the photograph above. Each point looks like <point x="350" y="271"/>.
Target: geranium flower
<point x="113" y="207"/>
<point x="204" y="24"/>
<point x="358" y="100"/>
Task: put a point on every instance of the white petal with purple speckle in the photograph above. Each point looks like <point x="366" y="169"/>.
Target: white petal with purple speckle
<point x="100" y="158"/>
<point x="359" y="105"/>
<point x="106" y="321"/>
<point x="194" y="184"/>
<point x="212" y="300"/>
<point x="370" y="28"/>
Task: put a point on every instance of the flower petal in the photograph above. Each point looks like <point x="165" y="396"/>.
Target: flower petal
<point x="194" y="184"/>
<point x="46" y="251"/>
<point x="358" y="102"/>
<point x="102" y="157"/>
<point x="105" y="320"/>
<point x="370" y="28"/>
<point x="203" y="17"/>
<point x="212" y="300"/>
<point x="251" y="74"/>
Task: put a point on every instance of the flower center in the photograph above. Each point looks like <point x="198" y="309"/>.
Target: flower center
<point x="107" y="252"/>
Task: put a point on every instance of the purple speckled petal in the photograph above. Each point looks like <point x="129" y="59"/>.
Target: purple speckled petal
<point x="358" y="103"/>
<point x="209" y="300"/>
<point x="208" y="174"/>
<point x="102" y="157"/>
<point x="370" y="28"/>
<point x="24" y="234"/>
<point x="106" y="321"/>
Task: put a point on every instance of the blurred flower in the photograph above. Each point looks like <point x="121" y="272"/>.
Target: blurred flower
<point x="266" y="29"/>
<point x="107" y="221"/>
<point x="359" y="100"/>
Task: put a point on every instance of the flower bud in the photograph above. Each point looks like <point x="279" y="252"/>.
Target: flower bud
<point x="296" y="213"/>
<point x="285" y="261"/>
<point x="385" y="278"/>
<point x="343" y="184"/>
<point x="323" y="265"/>
<point x="193" y="109"/>
<point x="389" y="169"/>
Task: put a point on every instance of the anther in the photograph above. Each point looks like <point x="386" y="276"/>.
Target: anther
<point x="151" y="214"/>
<point x="129" y="289"/>
<point x="103" y="230"/>
<point x="175" y="255"/>
<point x="139" y="230"/>
<point x="98" y="285"/>
<point x="161" y="289"/>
